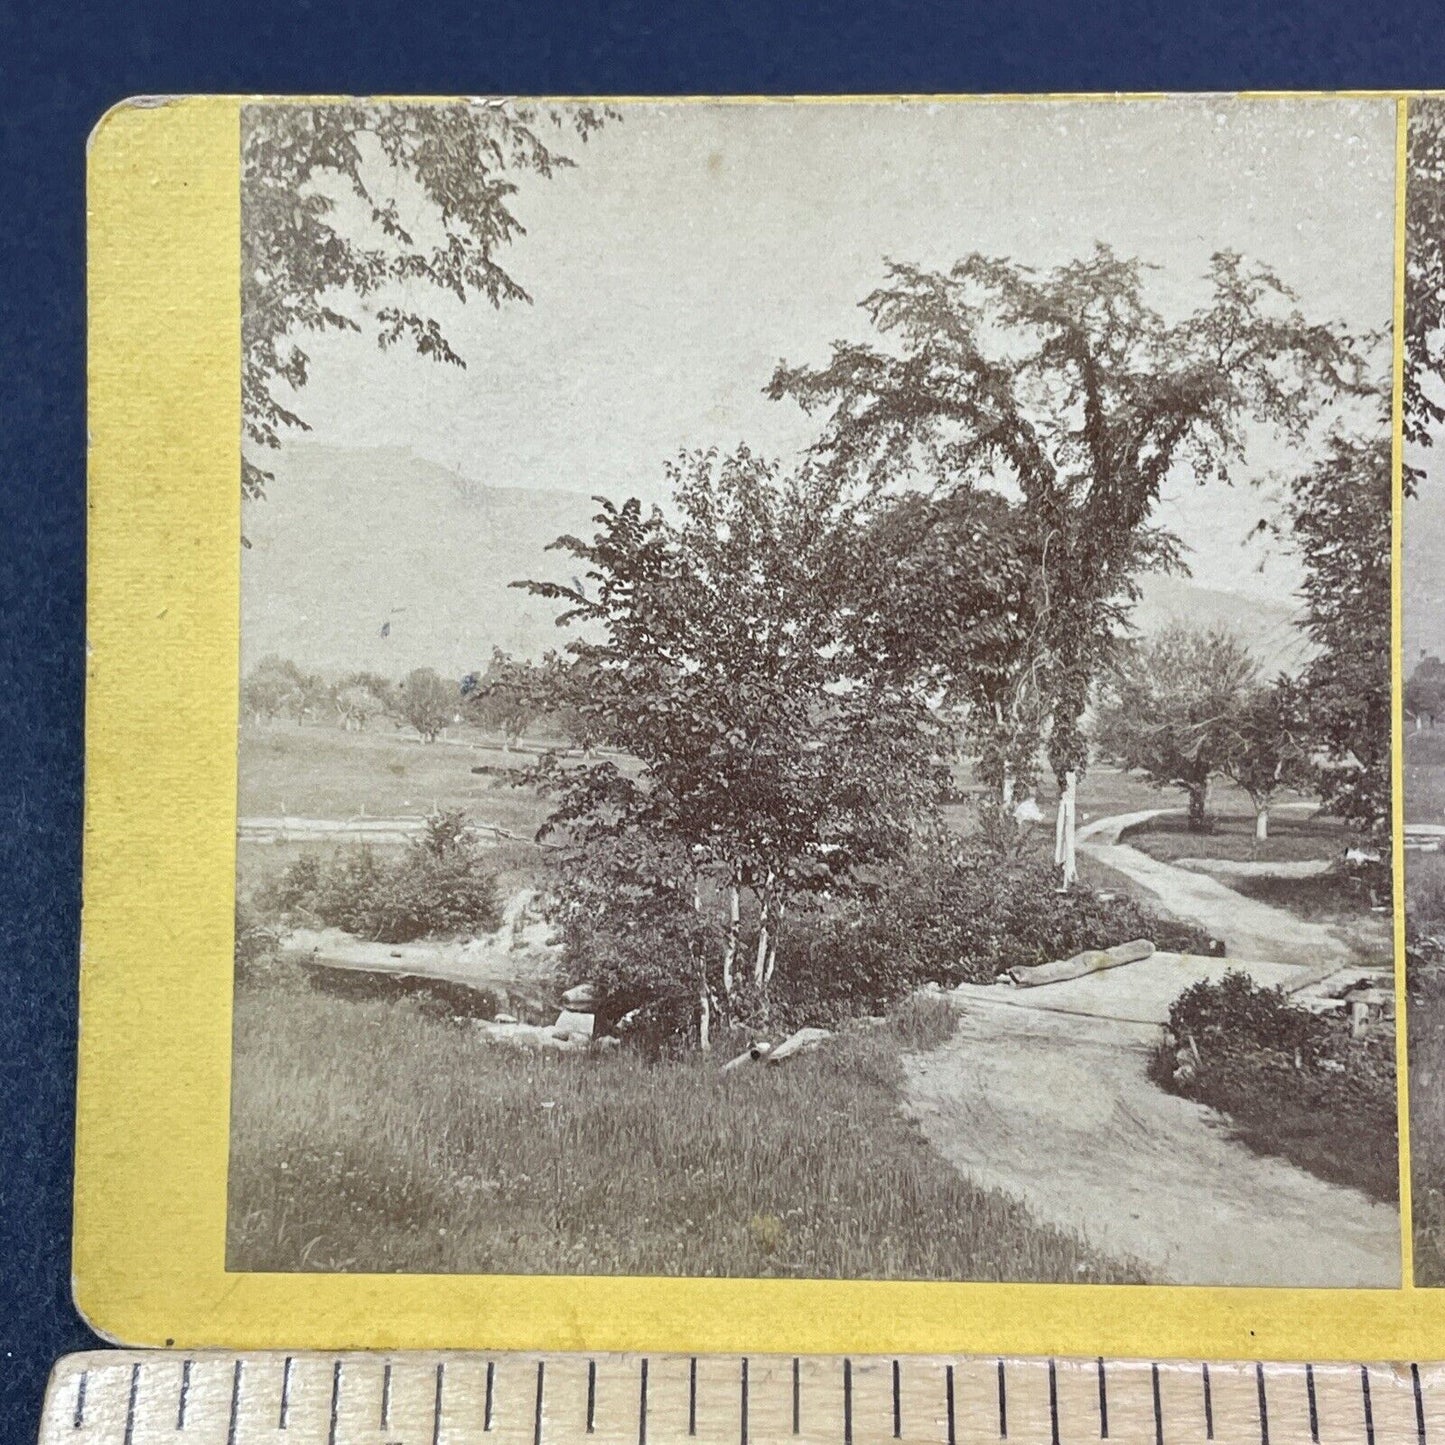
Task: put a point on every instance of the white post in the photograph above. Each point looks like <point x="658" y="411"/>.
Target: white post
<point x="1064" y="831"/>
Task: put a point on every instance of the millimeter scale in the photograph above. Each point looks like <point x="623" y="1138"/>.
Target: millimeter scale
<point x="125" y="1397"/>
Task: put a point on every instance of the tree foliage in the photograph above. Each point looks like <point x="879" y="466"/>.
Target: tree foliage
<point x="1266" y="745"/>
<point x="781" y="753"/>
<point x="1341" y="514"/>
<point x="511" y="694"/>
<point x="1068" y="388"/>
<point x="1172" y="708"/>
<point x="428" y="703"/>
<point x="305" y="271"/>
<point x="277" y="687"/>
<point x="1425" y="691"/>
<point x="1424" y="400"/>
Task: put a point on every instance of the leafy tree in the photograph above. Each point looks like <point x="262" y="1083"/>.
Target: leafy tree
<point x="1067" y="387"/>
<point x="1425" y="691"/>
<point x="1267" y="746"/>
<point x="941" y="602"/>
<point x="1341" y="515"/>
<point x="277" y="687"/>
<point x="1171" y="706"/>
<point x="427" y="703"/>
<point x="509" y="696"/>
<point x="300" y="265"/>
<point x="779" y="754"/>
<point x="360" y="696"/>
<point x="1424" y="408"/>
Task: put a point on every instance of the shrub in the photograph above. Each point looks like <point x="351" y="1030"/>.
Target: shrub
<point x="256" y="942"/>
<point x="440" y="885"/>
<point x="961" y="912"/>
<point x="1294" y="1083"/>
<point x="1238" y="1014"/>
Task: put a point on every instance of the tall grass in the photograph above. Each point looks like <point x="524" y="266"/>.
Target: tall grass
<point x="1425" y="974"/>
<point x="369" y="1136"/>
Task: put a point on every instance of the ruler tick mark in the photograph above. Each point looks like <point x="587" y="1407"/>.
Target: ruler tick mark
<point x="386" y="1396"/>
<point x="847" y="1402"/>
<point x="79" y="1418"/>
<point x="1314" y="1406"/>
<point x="1419" y="1405"/>
<point x="692" y="1396"/>
<point x="1002" y="1404"/>
<point x="1208" y="1407"/>
<point x="797" y="1397"/>
<point x="591" y="1396"/>
<point x="897" y="1404"/>
<point x="335" y="1403"/>
<point x="537" y="1414"/>
<point x="1158" y="1406"/>
<point x="185" y="1397"/>
<point x="743" y="1406"/>
<point x="487" y="1406"/>
<point x="281" y="1422"/>
<point x="235" y="1403"/>
<point x="948" y="1399"/>
<point x="1103" y="1403"/>
<point x="1263" y="1405"/>
<point x="1369" y="1412"/>
<point x="436" y="1420"/>
<point x="130" y="1404"/>
<point x="1053" y="1403"/>
<point x="641" y="1405"/>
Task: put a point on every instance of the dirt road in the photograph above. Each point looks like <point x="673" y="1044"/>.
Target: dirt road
<point x="1057" y="1111"/>
<point x="1249" y="928"/>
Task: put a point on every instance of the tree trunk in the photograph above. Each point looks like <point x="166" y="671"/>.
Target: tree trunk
<point x="704" y="996"/>
<point x="1065" y="829"/>
<point x="1261" y="822"/>
<point x="1007" y="790"/>
<point x="1198" y="796"/>
<point x="765" y="919"/>
<point x="730" y="946"/>
<point x="772" y="962"/>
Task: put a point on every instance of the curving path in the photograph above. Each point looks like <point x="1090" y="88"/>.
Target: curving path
<point x="1250" y="929"/>
<point x="1057" y="1110"/>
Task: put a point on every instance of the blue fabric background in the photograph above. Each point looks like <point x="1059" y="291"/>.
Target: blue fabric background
<point x="60" y="67"/>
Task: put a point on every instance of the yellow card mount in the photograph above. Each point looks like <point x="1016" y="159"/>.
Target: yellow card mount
<point x="139" y="1397"/>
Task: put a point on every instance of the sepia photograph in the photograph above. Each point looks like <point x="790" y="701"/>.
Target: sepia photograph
<point x="1423" y="673"/>
<point x="814" y="695"/>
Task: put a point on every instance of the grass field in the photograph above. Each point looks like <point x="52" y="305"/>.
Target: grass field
<point x="1427" y="1127"/>
<point x="1425" y="776"/>
<point x="376" y="1136"/>
<point x="1425" y="912"/>
<point x="1294" y="836"/>
<point x="323" y="772"/>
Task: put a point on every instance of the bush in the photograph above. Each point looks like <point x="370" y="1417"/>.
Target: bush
<point x="256" y="942"/>
<point x="1294" y="1083"/>
<point x="440" y="885"/>
<point x="1238" y="1014"/>
<point x="954" y="911"/>
<point x="961" y="912"/>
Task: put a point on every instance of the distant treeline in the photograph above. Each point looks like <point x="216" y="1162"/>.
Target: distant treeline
<point x="510" y="696"/>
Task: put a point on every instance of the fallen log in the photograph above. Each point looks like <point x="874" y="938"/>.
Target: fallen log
<point x="1093" y="960"/>
<point x="796" y="1044"/>
<point x="750" y="1055"/>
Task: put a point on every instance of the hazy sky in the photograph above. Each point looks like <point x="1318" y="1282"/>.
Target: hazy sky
<point x="697" y="244"/>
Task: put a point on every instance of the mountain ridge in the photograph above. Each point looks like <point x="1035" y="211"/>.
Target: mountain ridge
<point x="419" y="559"/>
